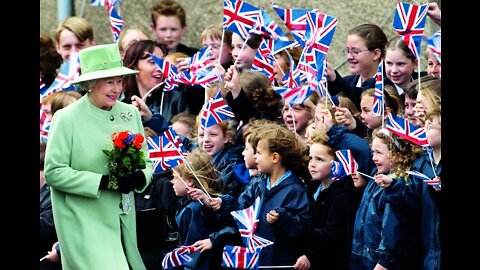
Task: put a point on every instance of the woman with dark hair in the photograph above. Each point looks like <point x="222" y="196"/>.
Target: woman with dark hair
<point x="137" y="57"/>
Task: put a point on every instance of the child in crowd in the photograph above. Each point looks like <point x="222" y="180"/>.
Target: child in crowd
<point x="386" y="227"/>
<point x="217" y="142"/>
<point x="285" y="214"/>
<point x="340" y="139"/>
<point x="183" y="124"/>
<point x="73" y="35"/>
<point x="245" y="171"/>
<point x="429" y="98"/>
<point x="193" y="225"/>
<point x="323" y="238"/>
<point x="434" y="66"/>
<point x="365" y="48"/>
<point x="127" y="36"/>
<point x="212" y="37"/>
<point x="247" y="55"/>
<point x="345" y="112"/>
<point x="430" y="163"/>
<point x="430" y="196"/>
<point x="169" y="25"/>
<point x="296" y="117"/>
<point x="400" y="65"/>
<point x="411" y="93"/>
<point x="283" y="63"/>
<point x="392" y="106"/>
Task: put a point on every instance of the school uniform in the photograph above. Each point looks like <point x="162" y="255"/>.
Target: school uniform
<point x="386" y="228"/>
<point x="290" y="199"/>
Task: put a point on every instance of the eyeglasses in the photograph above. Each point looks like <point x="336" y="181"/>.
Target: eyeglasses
<point x="353" y="52"/>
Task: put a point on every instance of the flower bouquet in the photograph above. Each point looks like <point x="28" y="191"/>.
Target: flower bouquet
<point x="125" y="157"/>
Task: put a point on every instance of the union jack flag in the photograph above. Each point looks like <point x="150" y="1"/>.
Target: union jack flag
<point x="69" y="71"/>
<point x="177" y="257"/>
<point x="434" y="43"/>
<point x="318" y="36"/>
<point x="98" y="3"/>
<point x="409" y="22"/>
<point x="166" y="150"/>
<point x="240" y="17"/>
<point x="349" y="164"/>
<point x="292" y="78"/>
<point x="276" y="40"/>
<point x="186" y="77"/>
<point x="264" y="61"/>
<point x="200" y="62"/>
<point x="295" y="95"/>
<point x="247" y="220"/>
<point x="425" y="178"/>
<point x="216" y="111"/>
<point x="240" y="257"/>
<point x="116" y="22"/>
<point x="406" y="130"/>
<point x="295" y="20"/>
<point x="378" y="104"/>
<point x="169" y="72"/>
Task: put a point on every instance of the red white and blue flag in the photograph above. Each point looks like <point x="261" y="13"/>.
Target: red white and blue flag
<point x="296" y="95"/>
<point x="247" y="220"/>
<point x="406" y="130"/>
<point x="318" y="36"/>
<point x="264" y="61"/>
<point x="116" y="22"/>
<point x="216" y="111"/>
<point x="187" y="78"/>
<point x="69" y="71"/>
<point x="177" y="257"/>
<point x="240" y="17"/>
<point x="169" y="72"/>
<point x="166" y="150"/>
<point x="378" y="103"/>
<point x="346" y="165"/>
<point x="409" y="22"/>
<point x="200" y="62"/>
<point x="295" y="20"/>
<point x="240" y="257"/>
<point x="434" y="43"/>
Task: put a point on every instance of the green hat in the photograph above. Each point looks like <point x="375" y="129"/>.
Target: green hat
<point x="101" y="61"/>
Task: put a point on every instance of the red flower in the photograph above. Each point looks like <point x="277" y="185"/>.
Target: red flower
<point x="138" y="140"/>
<point x="118" y="141"/>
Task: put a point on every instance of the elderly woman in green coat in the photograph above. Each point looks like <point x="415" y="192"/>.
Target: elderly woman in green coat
<point x="94" y="213"/>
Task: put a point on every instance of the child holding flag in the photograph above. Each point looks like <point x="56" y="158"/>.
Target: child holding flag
<point x="285" y="214"/>
<point x="387" y="222"/>
<point x="196" y="172"/>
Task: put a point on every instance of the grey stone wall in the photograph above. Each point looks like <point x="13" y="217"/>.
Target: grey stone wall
<point x="201" y="13"/>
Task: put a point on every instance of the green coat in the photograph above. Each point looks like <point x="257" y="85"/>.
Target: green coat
<point x="89" y="222"/>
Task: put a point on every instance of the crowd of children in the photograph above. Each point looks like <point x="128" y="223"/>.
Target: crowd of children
<point x="385" y="214"/>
